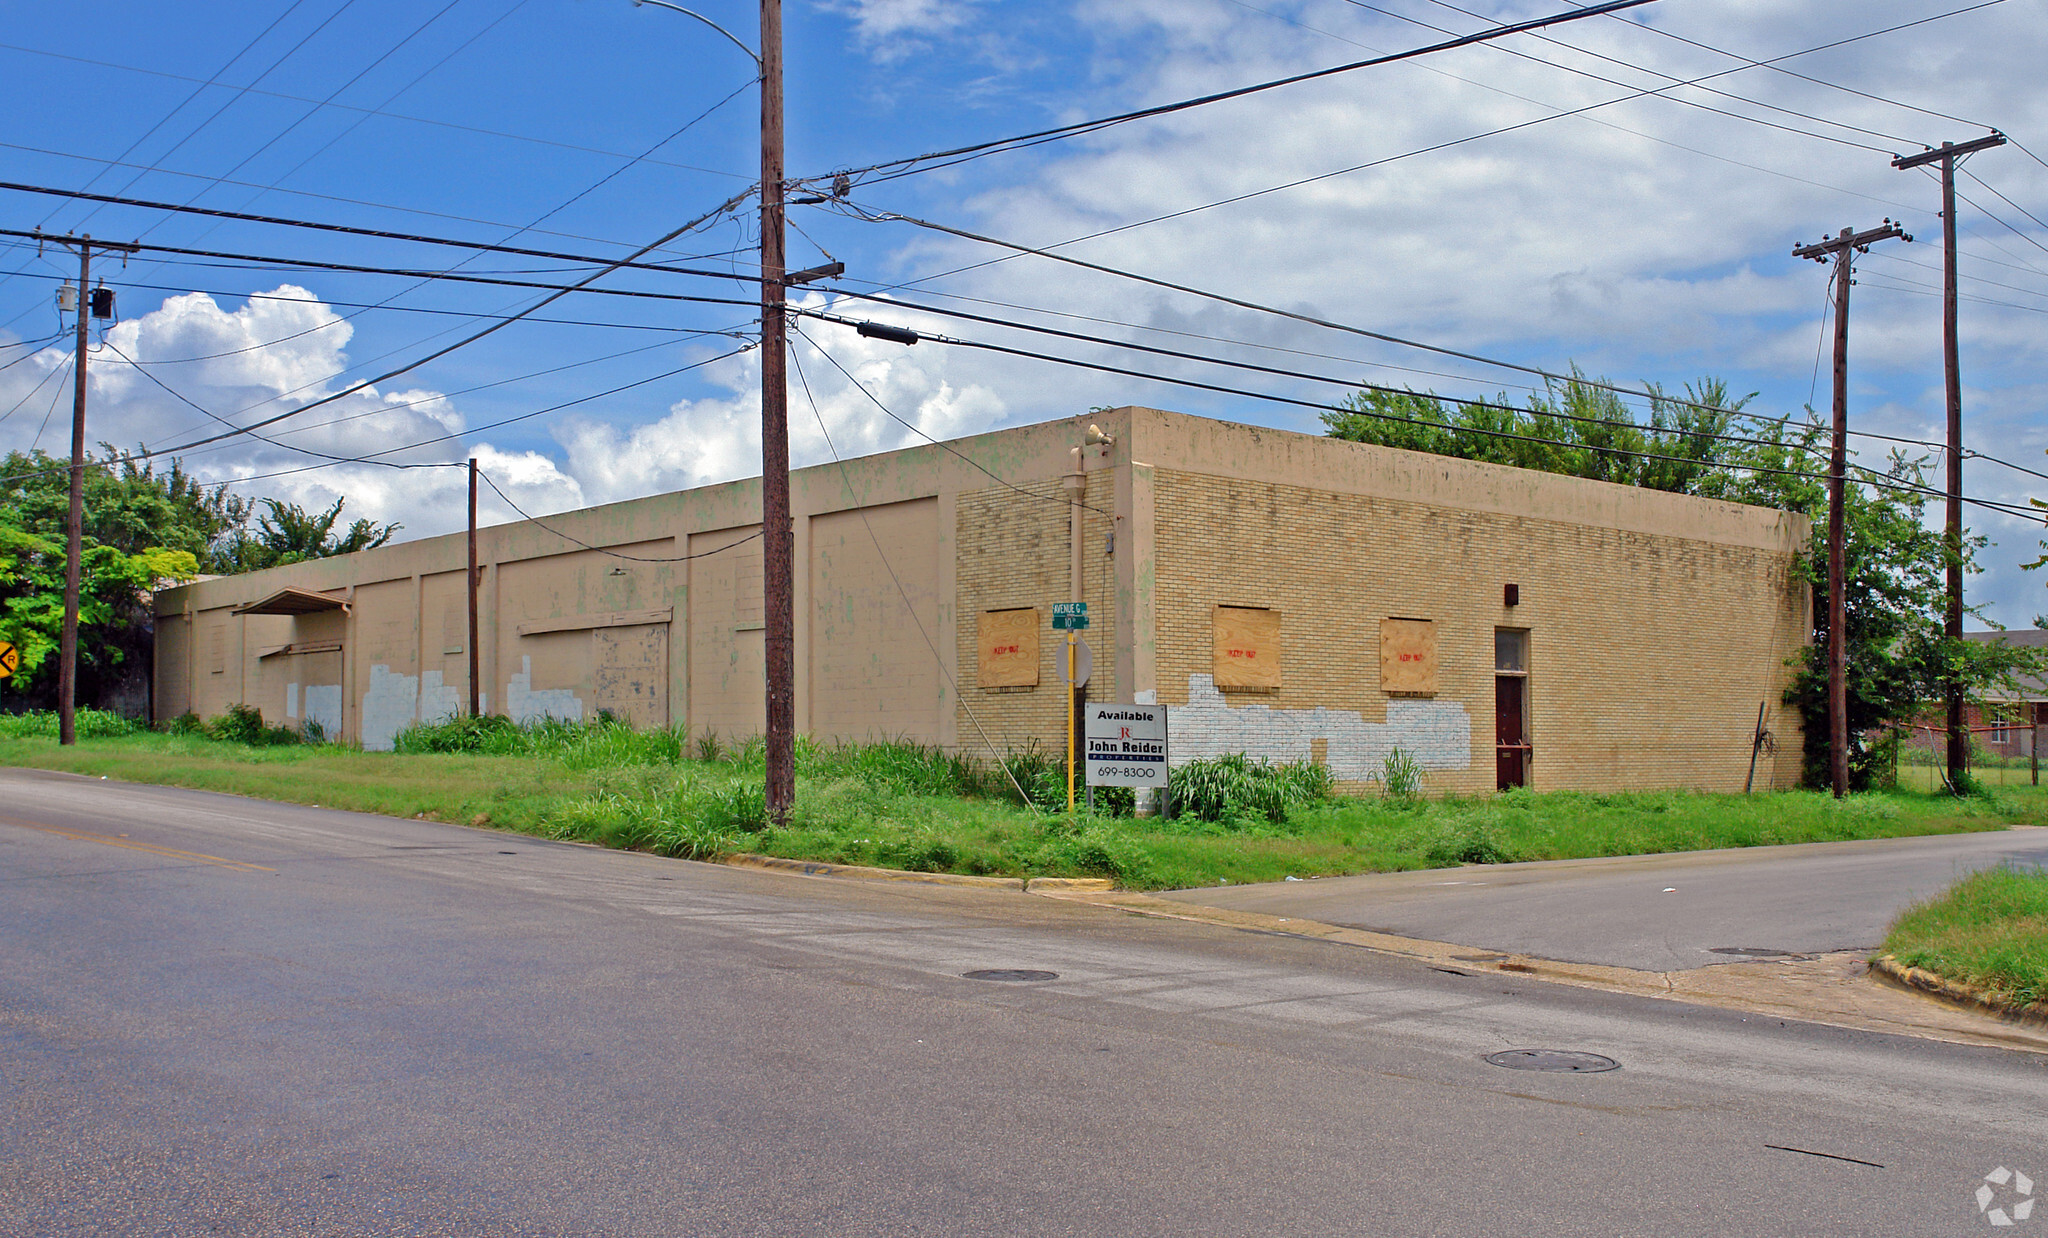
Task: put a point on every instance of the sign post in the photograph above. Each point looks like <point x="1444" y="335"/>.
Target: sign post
<point x="1127" y="745"/>
<point x="1071" y="618"/>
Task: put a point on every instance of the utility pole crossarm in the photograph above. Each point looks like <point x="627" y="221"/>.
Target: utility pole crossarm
<point x="1948" y="150"/>
<point x="1823" y="251"/>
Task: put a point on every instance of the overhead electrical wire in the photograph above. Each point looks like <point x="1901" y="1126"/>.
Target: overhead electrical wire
<point x="846" y="478"/>
<point x="1269" y="397"/>
<point x="472" y="338"/>
<point x="1658" y="92"/>
<point x="1359" y="384"/>
<point x="385" y="234"/>
<point x="421" y="120"/>
<point x="545" y="527"/>
<point x="1058" y="132"/>
<point x="236" y="97"/>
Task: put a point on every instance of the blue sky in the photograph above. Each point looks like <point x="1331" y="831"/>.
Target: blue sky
<point x="1645" y="239"/>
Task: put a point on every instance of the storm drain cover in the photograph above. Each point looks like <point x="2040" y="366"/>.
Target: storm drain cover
<point x="1011" y="973"/>
<point x="1553" y="1061"/>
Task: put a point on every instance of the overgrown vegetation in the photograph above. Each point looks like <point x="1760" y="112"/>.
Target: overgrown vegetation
<point x="1989" y="930"/>
<point x="142" y="528"/>
<point x="910" y="806"/>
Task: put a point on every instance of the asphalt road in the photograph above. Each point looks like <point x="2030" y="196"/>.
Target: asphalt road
<point x="222" y="1016"/>
<point x="1655" y="913"/>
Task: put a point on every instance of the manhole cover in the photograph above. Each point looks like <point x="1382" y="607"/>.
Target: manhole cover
<point x="1011" y="973"/>
<point x="1757" y="951"/>
<point x="1553" y="1061"/>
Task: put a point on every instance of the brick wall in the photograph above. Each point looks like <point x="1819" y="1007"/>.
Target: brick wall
<point x="1648" y="654"/>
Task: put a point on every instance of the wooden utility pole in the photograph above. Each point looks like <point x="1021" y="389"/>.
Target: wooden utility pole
<point x="778" y="550"/>
<point x="475" y="662"/>
<point x="1842" y="250"/>
<point x="1946" y="156"/>
<point x="74" y="535"/>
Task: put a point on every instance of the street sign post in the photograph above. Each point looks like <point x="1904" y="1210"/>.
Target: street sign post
<point x="1083" y="668"/>
<point x="1126" y="745"/>
<point x="1072" y="617"/>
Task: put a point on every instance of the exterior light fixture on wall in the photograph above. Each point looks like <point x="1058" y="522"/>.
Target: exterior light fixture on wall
<point x="1511" y="595"/>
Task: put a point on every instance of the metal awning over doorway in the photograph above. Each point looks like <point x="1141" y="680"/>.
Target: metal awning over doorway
<point x="292" y="602"/>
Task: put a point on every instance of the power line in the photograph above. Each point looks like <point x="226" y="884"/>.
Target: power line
<point x="1658" y="91"/>
<point x="464" y="342"/>
<point x="538" y="523"/>
<point x="375" y="233"/>
<point x="919" y="431"/>
<point x="1076" y="363"/>
<point x="1310" y="319"/>
<point x="1090" y="126"/>
<point x="420" y="120"/>
<point x="846" y="478"/>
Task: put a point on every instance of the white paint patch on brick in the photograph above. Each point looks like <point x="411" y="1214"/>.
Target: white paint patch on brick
<point x="438" y="700"/>
<point x="1438" y="734"/>
<point x="390" y="706"/>
<point x="524" y="705"/>
<point x="323" y="708"/>
<point x="291" y="700"/>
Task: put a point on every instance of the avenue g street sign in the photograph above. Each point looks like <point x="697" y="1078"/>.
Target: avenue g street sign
<point x="10" y="659"/>
<point x="1069" y="616"/>
<point x="1126" y="745"/>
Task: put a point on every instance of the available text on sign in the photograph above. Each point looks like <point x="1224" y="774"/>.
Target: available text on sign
<point x="1126" y="745"/>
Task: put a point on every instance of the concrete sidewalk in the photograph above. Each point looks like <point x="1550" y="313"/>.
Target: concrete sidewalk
<point x="1660" y="913"/>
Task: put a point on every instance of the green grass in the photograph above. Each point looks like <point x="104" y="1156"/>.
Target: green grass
<point x="1989" y="930"/>
<point x="913" y="807"/>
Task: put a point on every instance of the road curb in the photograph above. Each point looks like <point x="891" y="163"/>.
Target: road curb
<point x="1836" y="988"/>
<point x="1969" y="997"/>
<point x="1050" y="885"/>
<point x="857" y="872"/>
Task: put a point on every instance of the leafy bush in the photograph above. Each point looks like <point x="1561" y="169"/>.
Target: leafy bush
<point x="243" y="724"/>
<point x="741" y="807"/>
<point x="1234" y="788"/>
<point x="490" y="733"/>
<point x="89" y="724"/>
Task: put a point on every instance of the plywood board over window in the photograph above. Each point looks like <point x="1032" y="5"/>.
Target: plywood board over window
<point x="1247" y="648"/>
<point x="1408" y="657"/>
<point x="1009" y="648"/>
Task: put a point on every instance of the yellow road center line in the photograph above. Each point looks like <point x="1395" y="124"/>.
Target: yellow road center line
<point x="167" y="852"/>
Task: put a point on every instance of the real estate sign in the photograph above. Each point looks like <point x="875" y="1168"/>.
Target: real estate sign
<point x="1125" y="745"/>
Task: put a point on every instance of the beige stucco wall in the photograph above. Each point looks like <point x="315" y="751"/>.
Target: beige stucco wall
<point x="1658" y="622"/>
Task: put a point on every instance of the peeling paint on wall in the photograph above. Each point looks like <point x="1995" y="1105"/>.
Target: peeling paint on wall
<point x="524" y="705"/>
<point x="291" y="700"/>
<point x="1438" y="734"/>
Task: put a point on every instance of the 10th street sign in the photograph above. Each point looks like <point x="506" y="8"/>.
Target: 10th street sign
<point x="1069" y="616"/>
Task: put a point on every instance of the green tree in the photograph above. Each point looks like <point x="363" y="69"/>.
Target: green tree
<point x="1894" y="583"/>
<point x="288" y="533"/>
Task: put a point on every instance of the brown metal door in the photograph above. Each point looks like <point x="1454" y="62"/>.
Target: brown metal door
<point x="1510" y="731"/>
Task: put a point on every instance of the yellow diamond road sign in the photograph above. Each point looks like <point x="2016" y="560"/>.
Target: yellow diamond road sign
<point x="10" y="659"/>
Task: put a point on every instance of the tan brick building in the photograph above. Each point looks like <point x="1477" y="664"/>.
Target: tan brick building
<point x="1287" y="595"/>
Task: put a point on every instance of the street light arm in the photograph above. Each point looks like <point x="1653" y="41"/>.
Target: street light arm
<point x="751" y="54"/>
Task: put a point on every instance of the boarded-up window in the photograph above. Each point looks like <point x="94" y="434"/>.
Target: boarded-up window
<point x="1247" y="648"/>
<point x="217" y="648"/>
<point x="1009" y="648"/>
<point x="1408" y="657"/>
